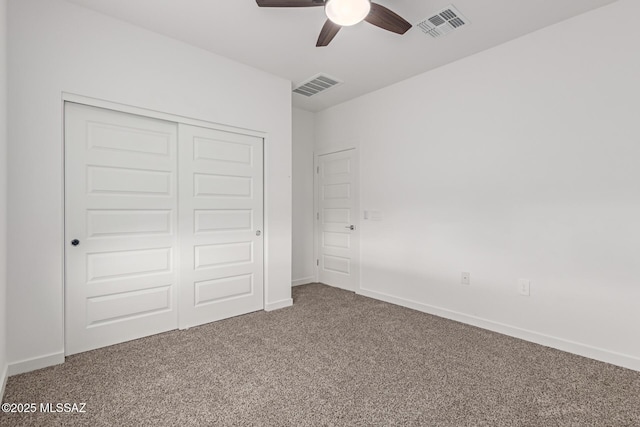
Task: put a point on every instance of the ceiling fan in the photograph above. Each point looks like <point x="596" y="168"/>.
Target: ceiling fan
<point x="344" y="13"/>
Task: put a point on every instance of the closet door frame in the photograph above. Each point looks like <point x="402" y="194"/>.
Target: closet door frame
<point x="123" y="108"/>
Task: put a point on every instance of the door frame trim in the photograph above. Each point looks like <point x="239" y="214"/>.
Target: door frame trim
<point x="316" y="205"/>
<point x="124" y="108"/>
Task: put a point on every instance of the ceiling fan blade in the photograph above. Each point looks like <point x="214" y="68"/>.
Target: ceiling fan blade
<point x="290" y="3"/>
<point x="382" y="17"/>
<point x="328" y="32"/>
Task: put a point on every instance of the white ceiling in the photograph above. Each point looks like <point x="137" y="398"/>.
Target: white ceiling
<point x="282" y="41"/>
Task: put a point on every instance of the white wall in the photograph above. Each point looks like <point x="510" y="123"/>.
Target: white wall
<point x="3" y="194"/>
<point x="57" y="47"/>
<point x="302" y="268"/>
<point x="518" y="162"/>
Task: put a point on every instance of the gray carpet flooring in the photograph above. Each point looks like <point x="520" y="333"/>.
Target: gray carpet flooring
<point x="333" y="359"/>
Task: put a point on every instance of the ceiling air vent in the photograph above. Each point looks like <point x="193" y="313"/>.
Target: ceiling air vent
<point x="443" y="22"/>
<point x="316" y="84"/>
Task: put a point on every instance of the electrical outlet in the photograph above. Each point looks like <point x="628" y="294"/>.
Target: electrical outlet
<point x="524" y="287"/>
<point x="465" y="278"/>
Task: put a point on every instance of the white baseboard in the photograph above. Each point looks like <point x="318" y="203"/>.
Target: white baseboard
<point x="585" y="350"/>
<point x="303" y="281"/>
<point x="278" y="304"/>
<point x="3" y="381"/>
<point x="36" y="363"/>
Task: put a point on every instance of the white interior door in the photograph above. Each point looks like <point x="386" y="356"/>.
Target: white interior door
<point x="120" y="227"/>
<point x="221" y="217"/>
<point x="337" y="218"/>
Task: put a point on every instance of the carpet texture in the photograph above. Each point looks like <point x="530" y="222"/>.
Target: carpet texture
<point x="333" y="359"/>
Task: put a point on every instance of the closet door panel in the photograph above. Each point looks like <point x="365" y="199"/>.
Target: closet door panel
<point x="221" y="218"/>
<point x="120" y="227"/>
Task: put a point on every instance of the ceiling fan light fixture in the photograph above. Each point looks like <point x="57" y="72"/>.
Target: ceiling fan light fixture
<point x="347" y="12"/>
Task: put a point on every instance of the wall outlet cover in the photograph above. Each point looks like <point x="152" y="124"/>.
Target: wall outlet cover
<point x="465" y="278"/>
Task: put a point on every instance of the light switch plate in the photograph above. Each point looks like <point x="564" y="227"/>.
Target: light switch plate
<point x="373" y="215"/>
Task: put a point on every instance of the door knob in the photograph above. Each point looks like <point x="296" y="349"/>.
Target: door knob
<point x="351" y="227"/>
<point x="258" y="233"/>
<point x="75" y="242"/>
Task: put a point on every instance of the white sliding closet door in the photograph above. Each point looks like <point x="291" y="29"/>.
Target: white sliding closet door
<point x="121" y="227"/>
<point x="221" y="217"/>
<point x="163" y="226"/>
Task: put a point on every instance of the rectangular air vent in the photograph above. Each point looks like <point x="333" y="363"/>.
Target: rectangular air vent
<point x="316" y="84"/>
<point x="443" y="22"/>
